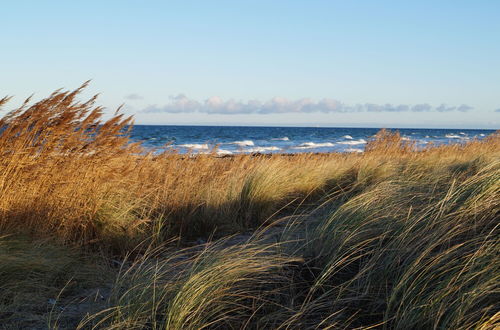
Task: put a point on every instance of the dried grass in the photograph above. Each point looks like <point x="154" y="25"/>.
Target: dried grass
<point x="402" y="238"/>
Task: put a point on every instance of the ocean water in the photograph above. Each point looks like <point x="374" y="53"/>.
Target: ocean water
<point x="235" y="139"/>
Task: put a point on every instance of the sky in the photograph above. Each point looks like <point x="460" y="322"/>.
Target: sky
<point x="291" y="63"/>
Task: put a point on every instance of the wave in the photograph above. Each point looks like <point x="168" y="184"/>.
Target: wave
<point x="354" y="143"/>
<point x="194" y="146"/>
<point x="244" y="143"/>
<point x="453" y="136"/>
<point x="262" y="149"/>
<point x="285" y="138"/>
<point x="310" y="145"/>
<point x="224" y="152"/>
<point x="347" y="137"/>
<point x="353" y="150"/>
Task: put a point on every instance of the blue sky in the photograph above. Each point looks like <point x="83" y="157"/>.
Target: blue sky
<point x="329" y="63"/>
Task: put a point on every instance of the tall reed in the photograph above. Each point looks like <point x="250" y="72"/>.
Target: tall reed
<point x="395" y="238"/>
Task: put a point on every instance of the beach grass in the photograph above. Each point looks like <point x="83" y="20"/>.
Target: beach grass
<point x="98" y="232"/>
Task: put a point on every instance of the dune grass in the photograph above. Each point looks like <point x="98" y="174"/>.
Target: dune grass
<point x="38" y="277"/>
<point x="67" y="173"/>
<point x="96" y="232"/>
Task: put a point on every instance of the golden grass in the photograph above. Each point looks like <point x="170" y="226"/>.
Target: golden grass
<point x="68" y="174"/>
<point x="391" y="238"/>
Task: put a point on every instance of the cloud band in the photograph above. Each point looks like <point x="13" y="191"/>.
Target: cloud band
<point x="215" y="105"/>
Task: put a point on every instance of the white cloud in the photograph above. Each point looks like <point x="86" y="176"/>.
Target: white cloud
<point x="464" y="108"/>
<point x="216" y="105"/>
<point x="421" y="107"/>
<point x="445" y="108"/>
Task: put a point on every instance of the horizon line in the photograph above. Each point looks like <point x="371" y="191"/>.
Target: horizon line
<point x="313" y="126"/>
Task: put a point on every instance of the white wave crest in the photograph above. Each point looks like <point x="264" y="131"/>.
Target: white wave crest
<point x="311" y="145"/>
<point x="244" y="143"/>
<point x="353" y="150"/>
<point x="354" y="143"/>
<point x="347" y="137"/>
<point x="453" y="136"/>
<point x="285" y="138"/>
<point x="224" y="152"/>
<point x="262" y="149"/>
<point x="194" y="146"/>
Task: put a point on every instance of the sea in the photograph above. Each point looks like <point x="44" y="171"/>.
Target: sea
<point x="227" y="140"/>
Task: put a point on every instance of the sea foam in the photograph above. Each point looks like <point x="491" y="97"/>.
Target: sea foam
<point x="311" y="145"/>
<point x="453" y="136"/>
<point x="224" y="152"/>
<point x="244" y="143"/>
<point x="353" y="143"/>
<point x="194" y="146"/>
<point x="262" y="149"/>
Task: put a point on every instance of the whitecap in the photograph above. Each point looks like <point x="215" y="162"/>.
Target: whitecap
<point x="244" y="143"/>
<point x="194" y="146"/>
<point x="347" y="137"/>
<point x="453" y="136"/>
<point x="262" y="149"/>
<point x="353" y="143"/>
<point x="353" y="150"/>
<point x="285" y="138"/>
<point x="310" y="145"/>
<point x="224" y="152"/>
<point x="482" y="134"/>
